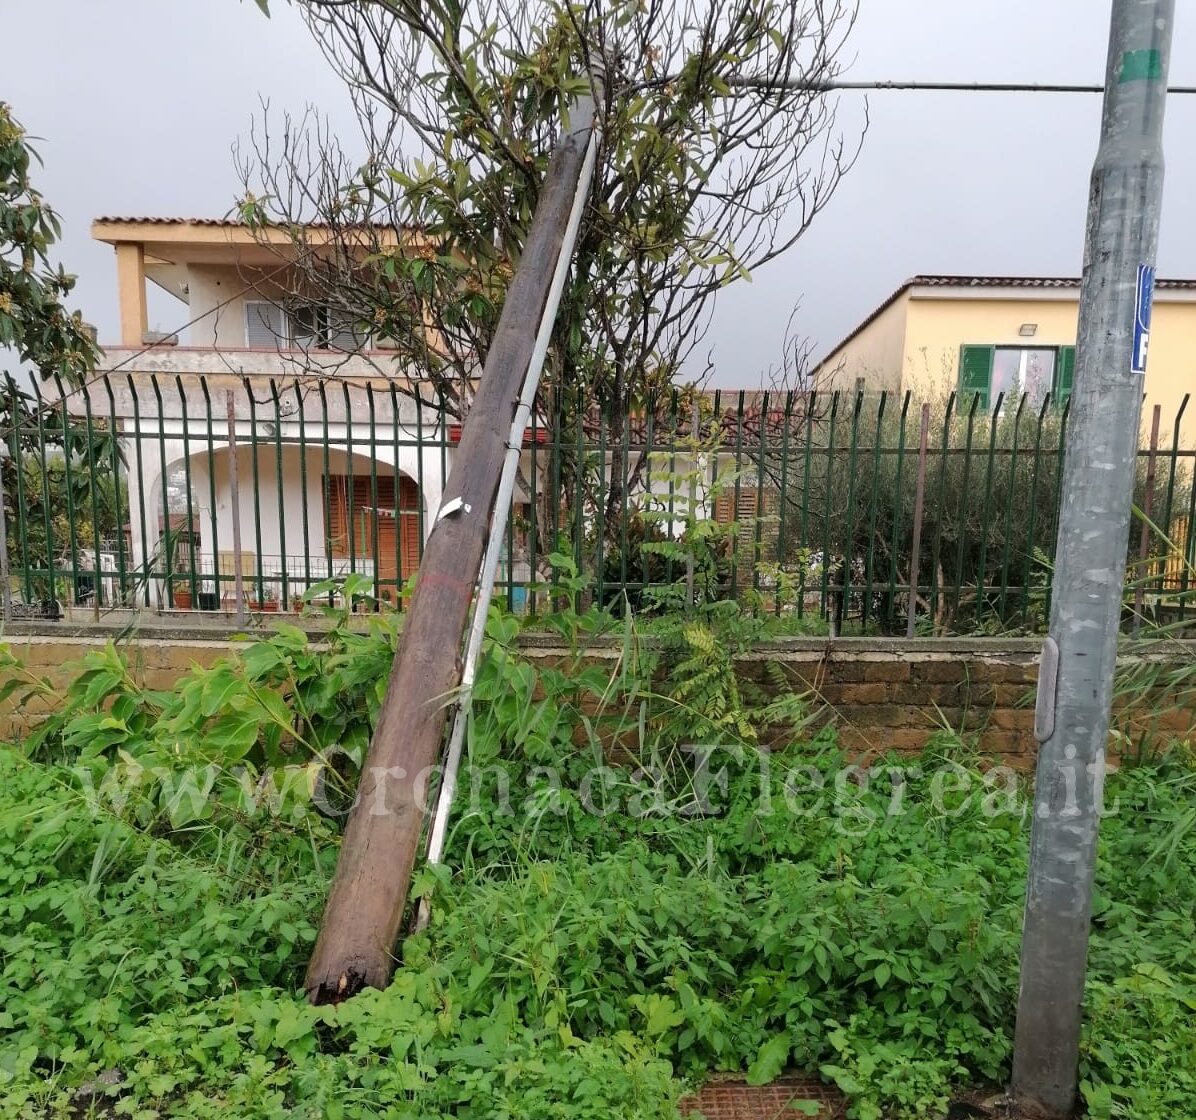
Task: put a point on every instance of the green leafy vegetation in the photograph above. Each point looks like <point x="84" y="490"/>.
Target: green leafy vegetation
<point x="33" y="320"/>
<point x="620" y="915"/>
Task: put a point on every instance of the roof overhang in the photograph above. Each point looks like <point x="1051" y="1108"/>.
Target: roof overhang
<point x="170" y="244"/>
<point x="222" y="232"/>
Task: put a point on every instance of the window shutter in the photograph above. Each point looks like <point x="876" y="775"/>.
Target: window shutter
<point x="1065" y="370"/>
<point x="265" y="325"/>
<point x="338" y="515"/>
<point x="360" y="519"/>
<point x="342" y="336"/>
<point x="409" y="542"/>
<point x="976" y="372"/>
<point x="745" y="516"/>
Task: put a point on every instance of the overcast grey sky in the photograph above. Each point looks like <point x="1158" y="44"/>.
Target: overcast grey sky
<point x="139" y="101"/>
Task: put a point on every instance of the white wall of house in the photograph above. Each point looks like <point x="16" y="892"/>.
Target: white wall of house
<point x="272" y="524"/>
<point x="217" y="299"/>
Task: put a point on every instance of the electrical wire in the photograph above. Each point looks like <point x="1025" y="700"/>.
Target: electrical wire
<point x="763" y="84"/>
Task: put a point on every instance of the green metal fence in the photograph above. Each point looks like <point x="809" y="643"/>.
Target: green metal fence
<point x="834" y="511"/>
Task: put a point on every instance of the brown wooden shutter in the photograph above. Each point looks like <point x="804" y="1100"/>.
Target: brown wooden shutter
<point x="409" y="536"/>
<point x="338" y="515"/>
<point x="363" y="515"/>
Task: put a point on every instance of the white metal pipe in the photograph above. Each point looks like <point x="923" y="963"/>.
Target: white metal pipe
<point x="506" y="488"/>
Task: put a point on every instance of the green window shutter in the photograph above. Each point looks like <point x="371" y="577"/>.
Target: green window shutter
<point x="976" y="372"/>
<point x="1065" y="370"/>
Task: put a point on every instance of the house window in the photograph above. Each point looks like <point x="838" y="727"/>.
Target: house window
<point x="302" y="327"/>
<point x="990" y="371"/>
<point x="357" y="519"/>
<point x="265" y="325"/>
<point x="314" y="327"/>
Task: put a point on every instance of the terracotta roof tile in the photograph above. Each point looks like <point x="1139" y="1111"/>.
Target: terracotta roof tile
<point x="1019" y="282"/>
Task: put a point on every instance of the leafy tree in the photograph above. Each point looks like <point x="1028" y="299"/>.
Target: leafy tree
<point x="718" y="148"/>
<point x="36" y="325"/>
<point x="33" y="320"/>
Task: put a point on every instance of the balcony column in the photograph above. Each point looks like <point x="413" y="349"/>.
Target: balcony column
<point x="130" y="281"/>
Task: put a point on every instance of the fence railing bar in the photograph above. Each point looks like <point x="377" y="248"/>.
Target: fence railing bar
<point x="72" y="524"/>
<point x="847" y="559"/>
<point x="625" y="486"/>
<point x="1031" y="538"/>
<point x="964" y="495"/>
<point x="235" y="508"/>
<point x="940" y="519"/>
<point x="301" y="413"/>
<point x="985" y="523"/>
<point x="115" y="450"/>
<point x="919" y="511"/>
<point x="47" y="502"/>
<point x="761" y="508"/>
<point x="326" y="484"/>
<point x="1009" y="499"/>
<point x="212" y="498"/>
<point x="138" y="439"/>
<point x="805" y="501"/>
<point x="1171" y="475"/>
<point x="1138" y="572"/>
<point x="871" y="551"/>
<point x="372" y="520"/>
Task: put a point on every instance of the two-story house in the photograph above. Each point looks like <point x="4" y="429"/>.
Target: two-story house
<point x="340" y="455"/>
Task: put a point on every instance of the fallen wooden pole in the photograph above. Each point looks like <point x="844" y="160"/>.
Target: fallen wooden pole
<point x="438" y="833"/>
<point x="369" y="891"/>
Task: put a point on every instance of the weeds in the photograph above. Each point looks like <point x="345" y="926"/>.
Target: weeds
<point x="592" y="953"/>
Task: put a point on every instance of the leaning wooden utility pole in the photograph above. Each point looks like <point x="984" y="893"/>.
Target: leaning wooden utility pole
<point x="369" y="892"/>
<point x="1075" y="683"/>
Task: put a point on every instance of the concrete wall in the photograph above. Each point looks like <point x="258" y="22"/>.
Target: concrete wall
<point x="883" y="694"/>
<point x="222" y="324"/>
<point x="876" y="353"/>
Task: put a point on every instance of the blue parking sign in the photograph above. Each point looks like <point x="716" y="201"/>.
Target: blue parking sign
<point x="1142" y="307"/>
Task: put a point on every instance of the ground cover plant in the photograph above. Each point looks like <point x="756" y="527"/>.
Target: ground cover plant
<point x="620" y="915"/>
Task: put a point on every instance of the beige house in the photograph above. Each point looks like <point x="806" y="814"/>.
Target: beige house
<point x="340" y="456"/>
<point x="991" y="335"/>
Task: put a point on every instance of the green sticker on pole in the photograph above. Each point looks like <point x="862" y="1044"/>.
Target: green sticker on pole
<point x="1141" y="66"/>
<point x="1142" y="308"/>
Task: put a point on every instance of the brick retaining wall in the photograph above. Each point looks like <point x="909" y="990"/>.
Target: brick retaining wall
<point x="883" y="693"/>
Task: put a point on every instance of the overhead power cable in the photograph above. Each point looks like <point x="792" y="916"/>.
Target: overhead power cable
<point x="764" y="84"/>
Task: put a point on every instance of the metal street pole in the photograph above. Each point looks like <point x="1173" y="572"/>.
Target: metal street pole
<point x="1076" y="678"/>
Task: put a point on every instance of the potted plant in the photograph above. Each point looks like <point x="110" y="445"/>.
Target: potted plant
<point x="180" y="562"/>
<point x="270" y="599"/>
<point x="297" y="603"/>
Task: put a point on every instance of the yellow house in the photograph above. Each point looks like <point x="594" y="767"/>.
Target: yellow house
<point x="994" y="334"/>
